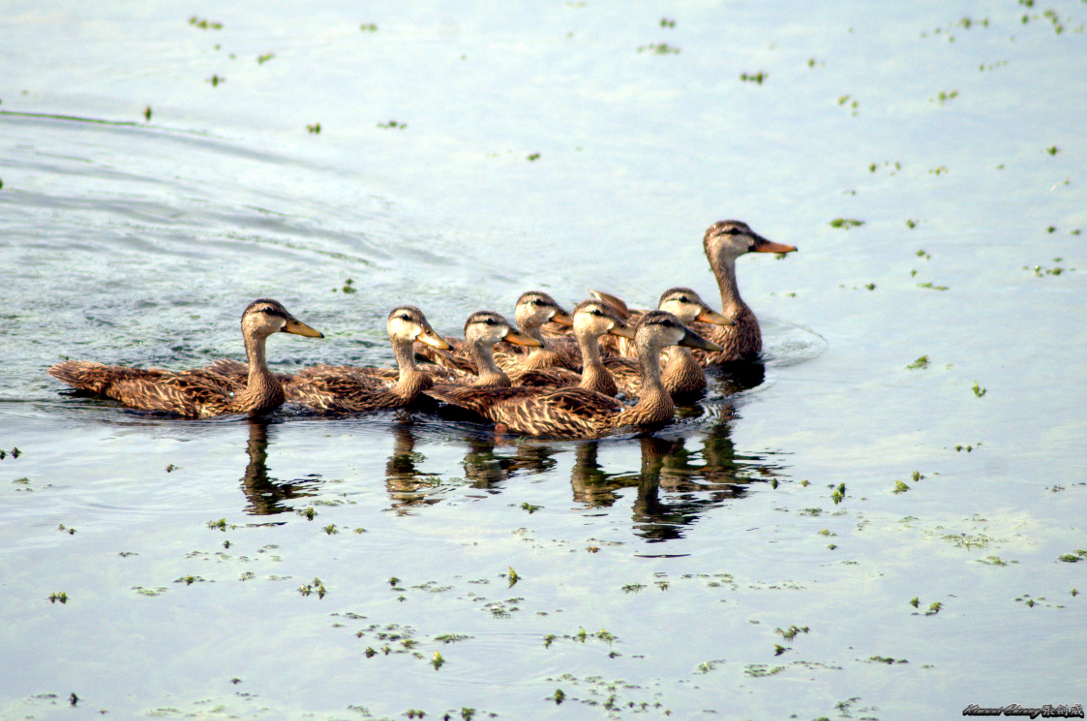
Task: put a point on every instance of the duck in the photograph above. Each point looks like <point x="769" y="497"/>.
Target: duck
<point x="682" y="375"/>
<point x="354" y="389"/>
<point x="197" y="393"/>
<point x="724" y="242"/>
<point x="472" y="363"/>
<point x="534" y="309"/>
<point x="592" y="319"/>
<point x="572" y="413"/>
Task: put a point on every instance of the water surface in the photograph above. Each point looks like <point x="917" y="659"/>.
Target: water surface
<point x="845" y="537"/>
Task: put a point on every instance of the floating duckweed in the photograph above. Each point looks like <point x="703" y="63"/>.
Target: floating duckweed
<point x="1076" y="557"/>
<point x="666" y="23"/>
<point x="147" y="113"/>
<point x="220" y="524"/>
<point x="978" y="390"/>
<point x="1052" y="150"/>
<point x="659" y="49"/>
<point x="921" y="362"/>
<point x="756" y="78"/>
<point x="558" y="696"/>
<point x="900" y="487"/>
<point x="392" y="124"/>
<point x="331" y="528"/>
<point x="261" y="59"/>
<point x="62" y="597"/>
<point x="534" y="156"/>
<point x="215" y="80"/>
<point x="309" y="513"/>
<point x="204" y="24"/>
<point x="437" y="661"/>
<point x="514" y="577"/>
<point x="315" y="128"/>
<point x="914" y="601"/>
<point x="526" y="506"/>
<point x="911" y="224"/>
<point x="934" y="608"/>
<point x="790" y="633"/>
<point x="846" y="223"/>
<point x="368" y="28"/>
<point x="932" y="286"/>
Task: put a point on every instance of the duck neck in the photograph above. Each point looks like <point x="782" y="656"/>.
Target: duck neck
<point x="655" y="403"/>
<point x="262" y="391"/>
<point x="593" y="373"/>
<point x="412" y="381"/>
<point x="724" y="269"/>
<point x="489" y="374"/>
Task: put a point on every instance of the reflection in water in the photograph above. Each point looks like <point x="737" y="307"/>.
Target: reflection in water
<point x="406" y="484"/>
<point x="733" y="378"/>
<point x="694" y="487"/>
<point x="266" y="496"/>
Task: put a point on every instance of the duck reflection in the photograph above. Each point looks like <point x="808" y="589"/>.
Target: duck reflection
<point x="405" y="483"/>
<point x="732" y="378"/>
<point x="484" y="468"/>
<point x="489" y="470"/>
<point x="265" y="495"/>
<point x="695" y="481"/>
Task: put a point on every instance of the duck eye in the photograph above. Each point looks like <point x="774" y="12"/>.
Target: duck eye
<point x="405" y="316"/>
<point x="490" y="321"/>
<point x="684" y="299"/>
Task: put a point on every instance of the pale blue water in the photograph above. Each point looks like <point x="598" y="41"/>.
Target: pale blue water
<point x="680" y="556"/>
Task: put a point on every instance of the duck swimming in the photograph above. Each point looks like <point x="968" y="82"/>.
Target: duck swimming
<point x="197" y="393"/>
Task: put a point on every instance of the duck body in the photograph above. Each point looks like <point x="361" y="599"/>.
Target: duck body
<point x="197" y="393"/>
<point x="579" y="412"/>
<point x="682" y="376"/>
<point x="592" y="320"/>
<point x="724" y="242"/>
<point x="354" y="389"/>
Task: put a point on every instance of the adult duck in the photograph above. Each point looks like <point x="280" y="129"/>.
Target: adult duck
<point x="724" y="242"/>
<point x="197" y="393"/>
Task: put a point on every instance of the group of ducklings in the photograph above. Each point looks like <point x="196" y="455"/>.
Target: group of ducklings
<point x="556" y="375"/>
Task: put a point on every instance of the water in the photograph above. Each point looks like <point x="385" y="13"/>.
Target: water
<point x="314" y="567"/>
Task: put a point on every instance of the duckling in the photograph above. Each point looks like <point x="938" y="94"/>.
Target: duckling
<point x="482" y="332"/>
<point x="682" y="376"/>
<point x="581" y="413"/>
<point x="197" y="393"/>
<point x="724" y="242"/>
<point x="352" y="389"/>
<point x="592" y="319"/>
<point x="534" y="308"/>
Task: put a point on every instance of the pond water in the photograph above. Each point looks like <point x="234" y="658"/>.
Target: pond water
<point x="884" y="521"/>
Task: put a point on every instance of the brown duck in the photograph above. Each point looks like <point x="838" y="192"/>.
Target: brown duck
<point x="581" y="413"/>
<point x="724" y="242"/>
<point x="197" y="393"/>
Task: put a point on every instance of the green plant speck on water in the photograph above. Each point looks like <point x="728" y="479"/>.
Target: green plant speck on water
<point x="846" y="223"/>
<point x="900" y="487"/>
<point x="921" y="362"/>
<point x="978" y="390"/>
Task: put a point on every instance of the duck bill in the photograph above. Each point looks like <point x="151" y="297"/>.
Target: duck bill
<point x="618" y="304"/>
<point x="432" y="339"/>
<point x="762" y="245"/>
<point x="623" y="331"/>
<point x="693" y="340"/>
<point x="562" y="318"/>
<point x="522" y="339"/>
<point x="709" y="315"/>
<point x="299" y="328"/>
